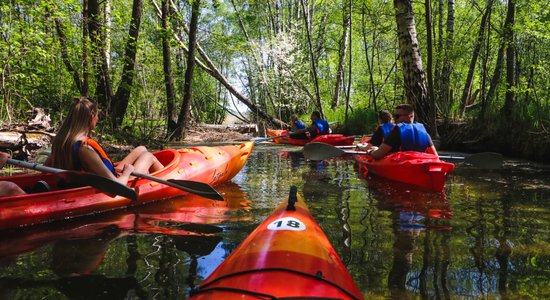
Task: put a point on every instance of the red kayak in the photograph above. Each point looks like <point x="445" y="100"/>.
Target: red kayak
<point x="211" y="165"/>
<point x="286" y="256"/>
<point x="422" y="170"/>
<point x="331" y="139"/>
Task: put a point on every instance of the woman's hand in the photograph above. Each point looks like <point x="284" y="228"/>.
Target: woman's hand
<point x="127" y="170"/>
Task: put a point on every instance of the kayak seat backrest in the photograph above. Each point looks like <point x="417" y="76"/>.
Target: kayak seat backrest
<point x="167" y="157"/>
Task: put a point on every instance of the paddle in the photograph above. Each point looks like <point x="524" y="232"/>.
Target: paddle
<point x="483" y="160"/>
<point x="257" y="140"/>
<point x="193" y="187"/>
<point x="84" y="178"/>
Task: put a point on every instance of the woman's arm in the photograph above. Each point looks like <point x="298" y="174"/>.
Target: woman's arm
<point x="91" y="162"/>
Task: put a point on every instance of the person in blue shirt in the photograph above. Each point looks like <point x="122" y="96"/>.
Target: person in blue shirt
<point x="296" y="124"/>
<point x="386" y="125"/>
<point x="318" y="127"/>
<point x="407" y="135"/>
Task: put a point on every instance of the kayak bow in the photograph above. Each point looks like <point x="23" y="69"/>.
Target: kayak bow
<point x="286" y="256"/>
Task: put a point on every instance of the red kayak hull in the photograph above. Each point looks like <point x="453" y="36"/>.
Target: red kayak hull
<point x="287" y="255"/>
<point x="212" y="165"/>
<point x="421" y="170"/>
<point x="331" y="139"/>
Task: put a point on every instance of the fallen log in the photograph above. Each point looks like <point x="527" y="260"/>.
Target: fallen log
<point x="240" y="128"/>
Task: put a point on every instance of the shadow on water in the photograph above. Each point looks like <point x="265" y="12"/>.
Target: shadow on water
<point x="485" y="237"/>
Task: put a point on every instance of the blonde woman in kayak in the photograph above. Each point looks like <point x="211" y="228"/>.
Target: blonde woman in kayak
<point x="74" y="149"/>
<point x="8" y="188"/>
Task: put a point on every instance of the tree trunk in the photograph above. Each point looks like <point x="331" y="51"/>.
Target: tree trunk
<point x="431" y="96"/>
<point x="341" y="58"/>
<point x="348" y="92"/>
<point x="413" y="72"/>
<point x="446" y="70"/>
<point x="85" y="49"/>
<point x="510" y="59"/>
<point x="172" y="116"/>
<point x="122" y="97"/>
<point x="211" y="69"/>
<point x="257" y="60"/>
<point x="104" y="90"/>
<point x="64" y="52"/>
<point x="369" y="65"/>
<point x="183" y="117"/>
<point x="477" y="47"/>
<point x="312" y="57"/>
<point x="494" y="82"/>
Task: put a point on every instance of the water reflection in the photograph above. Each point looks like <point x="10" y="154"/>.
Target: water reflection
<point x="417" y="219"/>
<point x="486" y="237"/>
<point x="77" y="249"/>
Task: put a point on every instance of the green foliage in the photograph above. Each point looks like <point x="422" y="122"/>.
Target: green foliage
<point x="271" y="66"/>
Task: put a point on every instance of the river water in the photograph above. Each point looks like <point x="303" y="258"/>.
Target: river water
<point x="487" y="236"/>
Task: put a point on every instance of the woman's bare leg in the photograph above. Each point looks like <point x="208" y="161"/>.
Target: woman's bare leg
<point x="143" y="160"/>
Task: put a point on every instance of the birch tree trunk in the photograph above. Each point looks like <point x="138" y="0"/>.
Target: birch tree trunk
<point x="429" y="25"/>
<point x="413" y="72"/>
<point x="341" y="57"/>
<point x="446" y="70"/>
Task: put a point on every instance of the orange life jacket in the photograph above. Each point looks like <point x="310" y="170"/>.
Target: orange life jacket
<point x="90" y="142"/>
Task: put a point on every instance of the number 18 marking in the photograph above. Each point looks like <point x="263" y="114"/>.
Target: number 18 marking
<point x="287" y="223"/>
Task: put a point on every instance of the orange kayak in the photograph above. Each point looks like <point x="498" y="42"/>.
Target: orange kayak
<point x="331" y="139"/>
<point x="211" y="165"/>
<point x="286" y="256"/>
<point x="184" y="216"/>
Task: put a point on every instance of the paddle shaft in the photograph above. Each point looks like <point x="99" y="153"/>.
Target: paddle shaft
<point x="364" y="152"/>
<point x="33" y="166"/>
<point x="257" y="140"/>
<point x="84" y="178"/>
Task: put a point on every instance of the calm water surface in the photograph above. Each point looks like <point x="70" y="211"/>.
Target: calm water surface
<point x="487" y="237"/>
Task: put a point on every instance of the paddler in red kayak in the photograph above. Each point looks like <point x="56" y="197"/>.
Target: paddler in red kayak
<point x="296" y="123"/>
<point x="8" y="188"/>
<point x="318" y="127"/>
<point x="73" y="149"/>
<point x="385" y="127"/>
<point x="407" y="135"/>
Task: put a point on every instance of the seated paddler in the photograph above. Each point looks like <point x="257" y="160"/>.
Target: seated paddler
<point x="73" y="148"/>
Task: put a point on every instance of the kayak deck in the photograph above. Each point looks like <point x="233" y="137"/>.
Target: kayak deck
<point x="422" y="170"/>
<point x="211" y="165"/>
<point x="287" y="255"/>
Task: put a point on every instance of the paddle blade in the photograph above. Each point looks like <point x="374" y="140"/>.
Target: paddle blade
<point x="485" y="160"/>
<point x="321" y="151"/>
<point x="99" y="182"/>
<point x="198" y="188"/>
